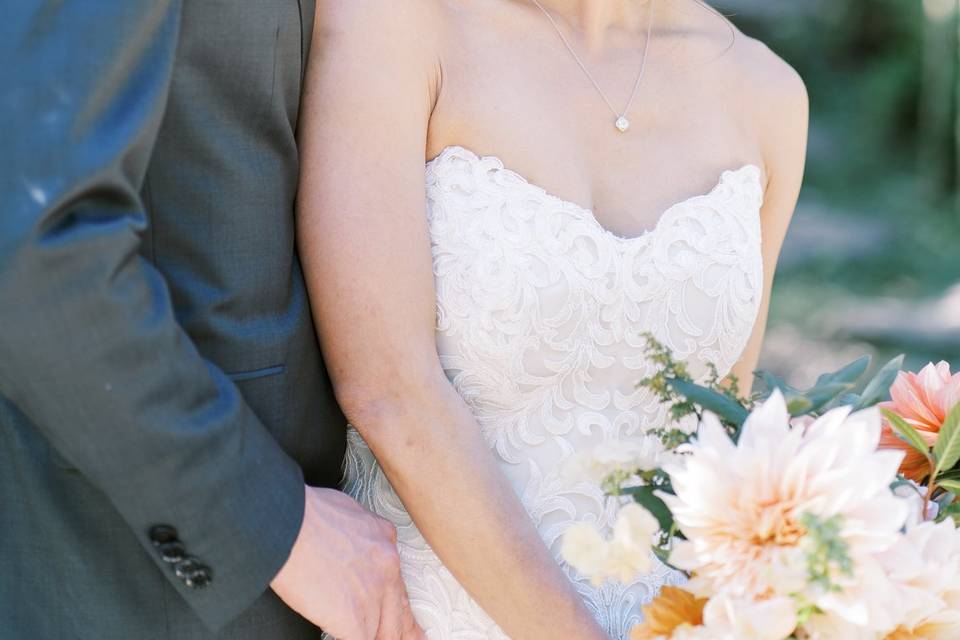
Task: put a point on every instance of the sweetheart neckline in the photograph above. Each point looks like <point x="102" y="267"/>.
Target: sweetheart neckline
<point x="586" y="212"/>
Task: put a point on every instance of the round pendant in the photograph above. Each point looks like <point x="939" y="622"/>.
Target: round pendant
<point x="622" y="124"/>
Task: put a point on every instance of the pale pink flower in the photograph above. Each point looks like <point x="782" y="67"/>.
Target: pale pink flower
<point x="733" y="619"/>
<point x="922" y="399"/>
<point x="741" y="506"/>
<point x="831" y="627"/>
<point x="803" y="421"/>
<point x="925" y="567"/>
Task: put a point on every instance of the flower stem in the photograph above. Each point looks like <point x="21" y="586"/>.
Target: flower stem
<point x="930" y="488"/>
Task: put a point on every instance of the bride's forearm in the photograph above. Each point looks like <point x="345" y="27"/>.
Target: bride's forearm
<point x="434" y="454"/>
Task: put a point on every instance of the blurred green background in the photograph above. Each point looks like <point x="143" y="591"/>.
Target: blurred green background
<point x="872" y="260"/>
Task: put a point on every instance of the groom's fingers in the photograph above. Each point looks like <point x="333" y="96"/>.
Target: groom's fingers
<point x="409" y="629"/>
<point x="396" y="618"/>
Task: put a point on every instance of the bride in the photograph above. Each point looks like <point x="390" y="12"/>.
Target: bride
<point x="595" y="170"/>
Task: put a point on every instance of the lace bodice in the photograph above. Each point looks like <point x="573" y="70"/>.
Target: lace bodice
<point x="540" y="316"/>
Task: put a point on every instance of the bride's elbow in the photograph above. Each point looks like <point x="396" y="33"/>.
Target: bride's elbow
<point x="375" y="401"/>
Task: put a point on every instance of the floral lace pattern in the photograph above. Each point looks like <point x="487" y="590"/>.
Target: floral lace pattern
<point x="540" y="320"/>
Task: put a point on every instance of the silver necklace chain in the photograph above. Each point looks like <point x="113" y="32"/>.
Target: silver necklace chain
<point x="621" y="122"/>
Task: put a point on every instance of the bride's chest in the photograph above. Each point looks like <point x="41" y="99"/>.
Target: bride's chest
<point x="529" y="283"/>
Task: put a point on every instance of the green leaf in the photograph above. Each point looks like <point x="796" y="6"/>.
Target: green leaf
<point x="645" y="497"/>
<point x="953" y="486"/>
<point x="949" y="475"/>
<point x="947" y="448"/>
<point x="878" y="389"/>
<point x="798" y="405"/>
<point x="724" y="406"/>
<point x="663" y="555"/>
<point x="906" y="432"/>
<point x="847" y="374"/>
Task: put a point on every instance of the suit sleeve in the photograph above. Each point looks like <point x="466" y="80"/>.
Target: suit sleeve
<point x="90" y="350"/>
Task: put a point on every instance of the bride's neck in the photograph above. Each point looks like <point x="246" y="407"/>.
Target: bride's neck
<point x="595" y="19"/>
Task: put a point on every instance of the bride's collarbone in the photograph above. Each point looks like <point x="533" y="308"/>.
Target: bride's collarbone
<point x="625" y="191"/>
<point x="572" y="149"/>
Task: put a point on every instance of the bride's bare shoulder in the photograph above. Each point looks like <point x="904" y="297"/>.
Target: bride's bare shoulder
<point x="410" y="24"/>
<point x="374" y="45"/>
<point x="764" y="76"/>
<point x="745" y="75"/>
<point x="772" y="97"/>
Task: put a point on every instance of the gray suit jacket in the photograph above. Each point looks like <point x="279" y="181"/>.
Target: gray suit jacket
<point x="162" y="395"/>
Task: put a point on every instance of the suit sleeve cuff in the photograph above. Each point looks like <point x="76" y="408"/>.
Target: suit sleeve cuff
<point x="240" y="538"/>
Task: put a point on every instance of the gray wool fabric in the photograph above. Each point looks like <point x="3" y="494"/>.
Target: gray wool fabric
<point x="162" y="393"/>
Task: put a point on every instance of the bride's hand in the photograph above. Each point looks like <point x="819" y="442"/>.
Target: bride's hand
<point x="343" y="573"/>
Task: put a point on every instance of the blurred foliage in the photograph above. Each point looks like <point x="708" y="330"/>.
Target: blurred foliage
<point x="884" y="83"/>
<point x="865" y="63"/>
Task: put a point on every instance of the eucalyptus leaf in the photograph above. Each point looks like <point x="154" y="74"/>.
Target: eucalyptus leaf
<point x="944" y="499"/>
<point x="720" y="404"/>
<point x="878" y="389"/>
<point x="949" y="511"/>
<point x="947" y="448"/>
<point x="906" y="432"/>
<point x="773" y="382"/>
<point x="847" y="374"/>
<point x="822" y="394"/>
<point x="844" y="400"/>
<point x="902" y="482"/>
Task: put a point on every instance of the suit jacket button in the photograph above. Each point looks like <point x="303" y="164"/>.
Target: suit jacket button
<point x="172" y="551"/>
<point x="186" y="566"/>
<point x="199" y="578"/>
<point x="162" y="533"/>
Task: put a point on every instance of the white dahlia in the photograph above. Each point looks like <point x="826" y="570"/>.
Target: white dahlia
<point x="741" y="508"/>
<point x="925" y="567"/>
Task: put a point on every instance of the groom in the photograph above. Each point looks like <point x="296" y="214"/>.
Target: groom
<point x="164" y="412"/>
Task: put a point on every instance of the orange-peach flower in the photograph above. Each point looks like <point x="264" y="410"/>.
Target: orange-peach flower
<point x="672" y="609"/>
<point x="922" y="399"/>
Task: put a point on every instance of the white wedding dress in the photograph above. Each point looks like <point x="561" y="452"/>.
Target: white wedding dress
<point x="540" y="316"/>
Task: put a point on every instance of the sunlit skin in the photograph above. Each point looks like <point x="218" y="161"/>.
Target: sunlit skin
<point x="389" y="85"/>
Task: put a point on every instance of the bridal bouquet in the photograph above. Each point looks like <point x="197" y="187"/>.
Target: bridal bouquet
<point x="816" y="514"/>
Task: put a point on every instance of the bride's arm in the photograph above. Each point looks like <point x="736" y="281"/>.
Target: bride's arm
<point x="371" y="84"/>
<point x="779" y="112"/>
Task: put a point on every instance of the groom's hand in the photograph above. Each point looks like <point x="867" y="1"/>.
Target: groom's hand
<point x="343" y="573"/>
